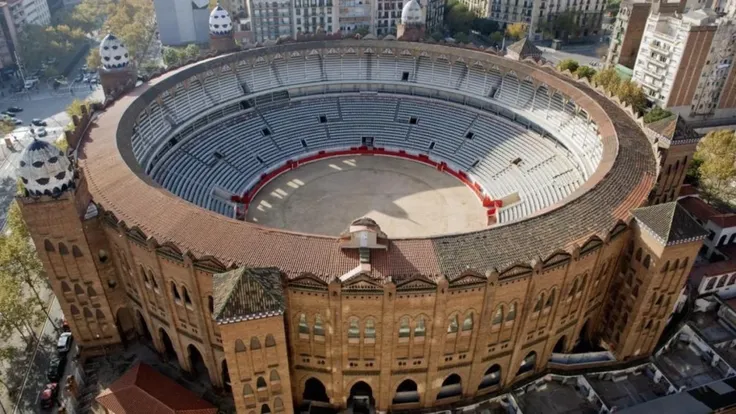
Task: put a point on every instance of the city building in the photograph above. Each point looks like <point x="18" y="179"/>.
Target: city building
<point x="272" y="19"/>
<point x="628" y="28"/>
<point x="585" y="16"/>
<point x="36" y="12"/>
<point x="359" y="319"/>
<point x="182" y="22"/>
<point x="684" y="64"/>
<point x="9" y="35"/>
<point x="721" y="228"/>
<point x="312" y="16"/>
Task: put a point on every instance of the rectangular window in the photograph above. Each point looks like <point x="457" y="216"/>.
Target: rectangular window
<point x="259" y="159"/>
<point x="413" y="120"/>
<point x="304" y="143"/>
<point x="322" y="119"/>
<point x="405" y="76"/>
<point x="470" y="135"/>
<point x="475" y="164"/>
<point x="266" y="132"/>
<point x="217" y="155"/>
<point x="431" y="145"/>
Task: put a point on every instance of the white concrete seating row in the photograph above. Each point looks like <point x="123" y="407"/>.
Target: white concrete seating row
<point x="232" y="152"/>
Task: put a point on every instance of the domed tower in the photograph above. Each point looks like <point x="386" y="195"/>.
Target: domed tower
<point x="412" y="25"/>
<point x="118" y="71"/>
<point x="70" y="242"/>
<point x="221" y="30"/>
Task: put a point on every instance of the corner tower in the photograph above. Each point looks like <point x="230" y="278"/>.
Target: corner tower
<point x="411" y="28"/>
<point x="61" y="219"/>
<point x="118" y="73"/>
<point x="653" y="270"/>
<point x="221" y="30"/>
<point x="249" y="308"/>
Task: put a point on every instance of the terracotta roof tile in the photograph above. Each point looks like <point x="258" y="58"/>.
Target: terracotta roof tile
<point x="142" y="389"/>
<point x="244" y="293"/>
<point x="670" y="223"/>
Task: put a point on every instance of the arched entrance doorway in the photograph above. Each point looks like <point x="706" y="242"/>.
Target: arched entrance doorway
<point x="406" y="393"/>
<point x="143" y="327"/>
<point x="169" y="351"/>
<point x="124" y="321"/>
<point x="226" y="377"/>
<point x="361" y="398"/>
<point x="491" y="378"/>
<point x="452" y="386"/>
<point x="314" y="390"/>
<point x="560" y="345"/>
<point x="196" y="362"/>
<point x="528" y="363"/>
<point x="584" y="341"/>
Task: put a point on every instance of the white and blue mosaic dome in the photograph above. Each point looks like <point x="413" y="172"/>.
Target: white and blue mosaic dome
<point x="45" y="170"/>
<point x="113" y="52"/>
<point x="412" y="13"/>
<point x="220" y="22"/>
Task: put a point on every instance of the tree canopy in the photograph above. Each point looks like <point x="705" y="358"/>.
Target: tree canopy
<point x="458" y="18"/>
<point x="516" y="30"/>
<point x="38" y="43"/>
<point x="631" y="94"/>
<point x="585" y="72"/>
<point x="568" y="64"/>
<point x="607" y="79"/>
<point x="496" y="38"/>
<point x="716" y="154"/>
<point x="656" y="114"/>
<point x="174" y="56"/>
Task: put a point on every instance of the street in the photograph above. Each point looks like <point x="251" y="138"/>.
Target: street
<point x="584" y="54"/>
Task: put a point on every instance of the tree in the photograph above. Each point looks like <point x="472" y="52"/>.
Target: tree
<point x="172" y="57"/>
<point x="461" y="37"/>
<point x="90" y="14"/>
<point x="516" y="30"/>
<point x="585" y="72"/>
<point x="437" y="36"/>
<point x="717" y="172"/>
<point x="361" y="30"/>
<point x="458" y="17"/>
<point x="568" y="64"/>
<point x="484" y="26"/>
<point x="18" y="261"/>
<point x="37" y="43"/>
<point x="656" y="114"/>
<point x="6" y="127"/>
<point x="62" y="144"/>
<point x="631" y="94"/>
<point x="561" y="25"/>
<point x="132" y="21"/>
<point x="17" y="317"/>
<point x="75" y="108"/>
<point x="496" y="38"/>
<point x="607" y="79"/>
<point x="94" y="61"/>
<point x="191" y="51"/>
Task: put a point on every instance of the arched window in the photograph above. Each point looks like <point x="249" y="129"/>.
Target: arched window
<point x="274" y="377"/>
<point x="676" y="265"/>
<point x="247" y="391"/>
<point x="452" y="386"/>
<point x="303" y="326"/>
<point x="146" y="280"/>
<point x="155" y="284"/>
<point x="528" y="363"/>
<point x="255" y="343"/>
<point x="265" y="409"/>
<point x="74" y="309"/>
<point x="406" y="393"/>
<point x="270" y="341"/>
<point x="550" y="299"/>
<point x="62" y="249"/>
<point x="278" y="405"/>
<point x="684" y="263"/>
<point x="239" y="346"/>
<point x="76" y="252"/>
<point x="91" y="291"/>
<point x="452" y="325"/>
<point x="175" y="291"/>
<point x="635" y="291"/>
<point x="404" y="329"/>
<point x="370" y="329"/>
<point x="630" y="249"/>
<point x="512" y="312"/>
<point x="353" y="328"/>
<point x="722" y="281"/>
<point x="498" y="316"/>
<point x="319" y="326"/>
<point x="420" y="330"/>
<point x="99" y="315"/>
<point x="647" y="261"/>
<point x="65" y="286"/>
<point x="211" y="304"/>
<point x="648" y="325"/>
<point x="261" y="384"/>
<point x="187" y="299"/>
<point x="574" y="287"/>
<point x="638" y="254"/>
<point x="48" y="246"/>
<point x="540" y="303"/>
<point x="87" y="313"/>
<point x="583" y="280"/>
<point x="659" y="300"/>
<point x="468" y="322"/>
<point x="491" y="377"/>
<point x="666" y="266"/>
<point x="78" y="289"/>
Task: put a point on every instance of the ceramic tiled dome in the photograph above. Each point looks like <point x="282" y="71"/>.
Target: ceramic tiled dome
<point x="113" y="53"/>
<point x="220" y="22"/>
<point x="45" y="170"/>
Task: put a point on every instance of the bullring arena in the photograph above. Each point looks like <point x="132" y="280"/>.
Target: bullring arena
<point x="416" y="226"/>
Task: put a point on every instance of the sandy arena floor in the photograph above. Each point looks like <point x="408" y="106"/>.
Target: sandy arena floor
<point x="407" y="199"/>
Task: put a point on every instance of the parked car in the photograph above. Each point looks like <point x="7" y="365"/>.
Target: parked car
<point x="39" y="122"/>
<point x="79" y="78"/>
<point x="65" y="342"/>
<point x="16" y="121"/>
<point x="56" y="368"/>
<point x="15" y="109"/>
<point x="41" y="132"/>
<point x="48" y="395"/>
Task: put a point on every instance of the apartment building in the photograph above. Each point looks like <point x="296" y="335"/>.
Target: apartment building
<point x="311" y="16"/>
<point x="182" y="22"/>
<point x="541" y="15"/>
<point x="685" y="64"/>
<point x="36" y="12"/>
